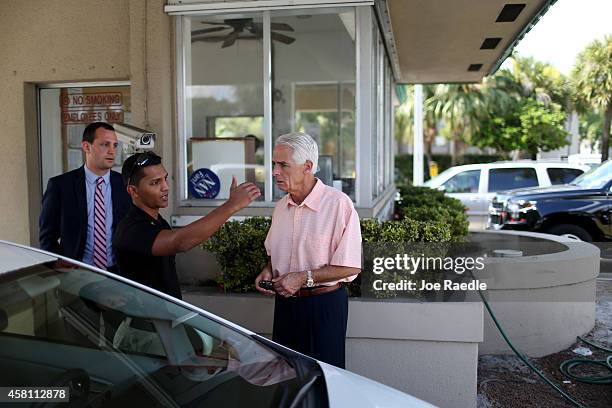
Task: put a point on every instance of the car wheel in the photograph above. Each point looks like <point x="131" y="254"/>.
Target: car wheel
<point x="569" y="230"/>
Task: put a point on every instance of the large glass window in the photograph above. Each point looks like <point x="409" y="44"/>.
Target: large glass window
<point x="223" y="103"/>
<point x="313" y="86"/>
<point x="232" y="111"/>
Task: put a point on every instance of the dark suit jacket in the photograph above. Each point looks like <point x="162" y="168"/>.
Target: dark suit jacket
<point x="63" y="219"/>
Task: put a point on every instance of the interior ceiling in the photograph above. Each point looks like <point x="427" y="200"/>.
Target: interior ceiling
<point x="437" y="40"/>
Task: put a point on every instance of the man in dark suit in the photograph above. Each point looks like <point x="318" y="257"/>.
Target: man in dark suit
<point x="81" y="208"/>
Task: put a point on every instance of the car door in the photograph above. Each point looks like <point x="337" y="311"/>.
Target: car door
<point x="465" y="186"/>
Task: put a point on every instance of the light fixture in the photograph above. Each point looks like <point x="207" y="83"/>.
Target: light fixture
<point x="490" y="43"/>
<point x="510" y="12"/>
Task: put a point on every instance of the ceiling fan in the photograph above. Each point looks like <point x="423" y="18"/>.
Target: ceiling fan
<point x="241" y="29"/>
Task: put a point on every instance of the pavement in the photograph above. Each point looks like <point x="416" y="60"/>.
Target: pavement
<point x="505" y="381"/>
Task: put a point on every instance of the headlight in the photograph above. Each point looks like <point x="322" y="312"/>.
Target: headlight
<point x="515" y="208"/>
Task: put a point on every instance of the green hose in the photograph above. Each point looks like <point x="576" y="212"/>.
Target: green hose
<point x="525" y="359"/>
<point x="567" y="366"/>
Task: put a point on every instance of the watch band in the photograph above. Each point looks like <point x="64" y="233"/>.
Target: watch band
<point x="309" y="279"/>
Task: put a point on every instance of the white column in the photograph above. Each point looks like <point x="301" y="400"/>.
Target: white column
<point x="417" y="151"/>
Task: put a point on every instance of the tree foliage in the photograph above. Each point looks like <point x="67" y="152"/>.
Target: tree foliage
<point x="531" y="126"/>
<point x="592" y="82"/>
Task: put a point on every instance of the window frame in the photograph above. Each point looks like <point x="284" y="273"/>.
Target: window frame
<point x="366" y="182"/>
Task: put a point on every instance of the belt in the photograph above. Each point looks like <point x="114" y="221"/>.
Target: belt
<point x="317" y="290"/>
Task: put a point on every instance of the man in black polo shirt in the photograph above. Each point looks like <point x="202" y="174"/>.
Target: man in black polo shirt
<point x="144" y="243"/>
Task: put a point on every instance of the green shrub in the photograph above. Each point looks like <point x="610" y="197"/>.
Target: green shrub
<point x="392" y="236"/>
<point x="240" y="252"/>
<point x="239" y="246"/>
<point x="426" y="204"/>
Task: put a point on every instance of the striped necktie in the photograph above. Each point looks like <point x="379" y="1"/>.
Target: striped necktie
<point x="99" y="252"/>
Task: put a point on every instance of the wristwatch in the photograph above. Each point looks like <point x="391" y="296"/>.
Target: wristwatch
<point x="309" y="279"/>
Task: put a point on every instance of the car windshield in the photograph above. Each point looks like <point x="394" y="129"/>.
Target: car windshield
<point x="595" y="178"/>
<point x="130" y="346"/>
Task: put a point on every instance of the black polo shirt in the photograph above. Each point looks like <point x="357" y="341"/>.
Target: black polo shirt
<point x="133" y="243"/>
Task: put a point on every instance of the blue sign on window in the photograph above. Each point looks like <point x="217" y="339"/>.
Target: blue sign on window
<point x="204" y="183"/>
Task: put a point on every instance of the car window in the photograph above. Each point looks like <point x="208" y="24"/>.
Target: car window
<point x="511" y="178"/>
<point x="562" y="175"/>
<point x="597" y="177"/>
<point x="464" y="182"/>
<point x="129" y="345"/>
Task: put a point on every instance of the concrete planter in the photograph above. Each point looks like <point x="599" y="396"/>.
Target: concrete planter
<point x="542" y="300"/>
<point x="429" y="350"/>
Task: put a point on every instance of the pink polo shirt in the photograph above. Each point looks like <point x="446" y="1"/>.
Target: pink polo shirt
<point x="323" y="230"/>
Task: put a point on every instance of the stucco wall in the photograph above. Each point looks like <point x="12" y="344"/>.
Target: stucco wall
<point x="51" y="41"/>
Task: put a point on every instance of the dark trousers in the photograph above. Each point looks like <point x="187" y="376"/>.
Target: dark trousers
<point x="313" y="325"/>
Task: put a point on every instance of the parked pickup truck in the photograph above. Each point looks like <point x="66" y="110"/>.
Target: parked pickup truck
<point x="580" y="209"/>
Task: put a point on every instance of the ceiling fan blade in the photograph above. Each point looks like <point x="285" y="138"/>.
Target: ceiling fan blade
<point x="230" y="40"/>
<point x="282" y="38"/>
<point x="208" y="30"/>
<point x="281" y="27"/>
<point x="208" y="39"/>
<point x="273" y="26"/>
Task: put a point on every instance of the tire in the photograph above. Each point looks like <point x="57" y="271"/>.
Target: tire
<point x="570" y="229"/>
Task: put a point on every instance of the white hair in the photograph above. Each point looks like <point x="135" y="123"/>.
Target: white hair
<point x="304" y="148"/>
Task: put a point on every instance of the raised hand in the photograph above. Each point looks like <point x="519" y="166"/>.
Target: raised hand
<point x="243" y="194"/>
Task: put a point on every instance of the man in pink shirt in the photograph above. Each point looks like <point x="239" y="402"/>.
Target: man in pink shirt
<point x="314" y="244"/>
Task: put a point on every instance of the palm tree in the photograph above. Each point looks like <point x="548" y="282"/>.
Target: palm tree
<point x="592" y="81"/>
<point x="460" y="106"/>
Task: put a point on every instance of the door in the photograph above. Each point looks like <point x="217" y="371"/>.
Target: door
<point x="63" y="115"/>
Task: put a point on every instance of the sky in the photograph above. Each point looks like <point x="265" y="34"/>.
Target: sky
<point x="565" y="30"/>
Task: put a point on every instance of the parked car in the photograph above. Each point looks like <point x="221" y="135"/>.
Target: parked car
<point x="580" y="209"/>
<point x="115" y="342"/>
<point x="476" y="184"/>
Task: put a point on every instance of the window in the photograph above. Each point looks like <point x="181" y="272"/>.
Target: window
<point x="312" y="89"/>
<point x="508" y="179"/>
<point x="223" y="90"/>
<point x="464" y="182"/>
<point x="127" y="346"/>
<point x="258" y="75"/>
<point x="562" y="175"/>
<point x="313" y="84"/>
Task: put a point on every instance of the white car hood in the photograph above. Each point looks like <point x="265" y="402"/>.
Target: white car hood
<point x="346" y="389"/>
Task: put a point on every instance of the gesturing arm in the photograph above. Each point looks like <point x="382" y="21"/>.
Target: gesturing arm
<point x="170" y="242"/>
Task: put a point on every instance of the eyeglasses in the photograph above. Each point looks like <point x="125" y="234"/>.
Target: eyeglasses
<point x="143" y="159"/>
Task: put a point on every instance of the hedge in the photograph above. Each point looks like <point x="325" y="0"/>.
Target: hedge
<point x="240" y="252"/>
